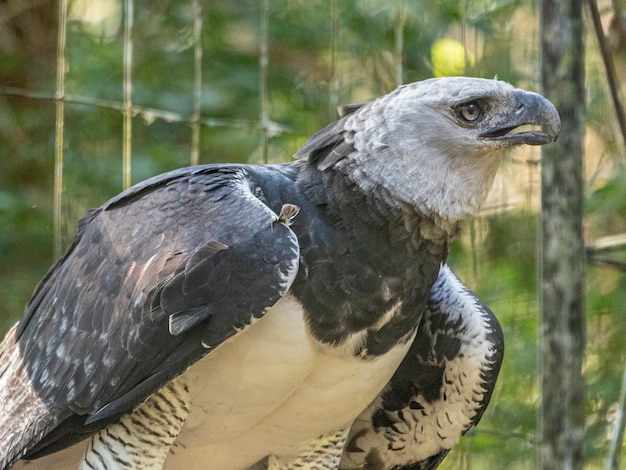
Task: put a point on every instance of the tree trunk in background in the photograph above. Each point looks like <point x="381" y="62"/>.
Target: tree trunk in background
<point x="562" y="421"/>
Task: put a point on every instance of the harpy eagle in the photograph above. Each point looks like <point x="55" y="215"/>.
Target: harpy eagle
<point x="276" y="316"/>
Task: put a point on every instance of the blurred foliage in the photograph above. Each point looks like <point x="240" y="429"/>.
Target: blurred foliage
<point x="307" y="76"/>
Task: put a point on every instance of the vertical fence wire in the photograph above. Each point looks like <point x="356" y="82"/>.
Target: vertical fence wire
<point x="197" y="82"/>
<point x="398" y="55"/>
<point x="333" y="83"/>
<point x="59" y="131"/>
<point x="128" y="92"/>
<point x="466" y="55"/>
<point x="474" y="224"/>
<point x="263" y="64"/>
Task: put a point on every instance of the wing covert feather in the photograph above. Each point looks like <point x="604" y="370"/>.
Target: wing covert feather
<point x="154" y="279"/>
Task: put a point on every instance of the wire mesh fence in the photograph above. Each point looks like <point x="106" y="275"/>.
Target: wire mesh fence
<point x="195" y="119"/>
<point x="140" y="89"/>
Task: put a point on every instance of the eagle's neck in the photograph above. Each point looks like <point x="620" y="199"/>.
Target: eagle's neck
<point x="384" y="258"/>
<point x="409" y="227"/>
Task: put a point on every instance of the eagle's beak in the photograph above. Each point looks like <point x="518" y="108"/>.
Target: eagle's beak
<point x="531" y="109"/>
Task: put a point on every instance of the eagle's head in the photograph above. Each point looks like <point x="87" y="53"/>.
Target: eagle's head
<point x="436" y="145"/>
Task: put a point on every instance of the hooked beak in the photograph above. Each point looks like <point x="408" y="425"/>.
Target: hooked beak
<point x="531" y="109"/>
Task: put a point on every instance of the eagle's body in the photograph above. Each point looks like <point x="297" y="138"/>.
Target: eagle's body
<point x="264" y="315"/>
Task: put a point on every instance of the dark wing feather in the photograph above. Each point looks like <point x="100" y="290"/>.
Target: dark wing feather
<point x="335" y="141"/>
<point x="155" y="278"/>
<point x="427" y="407"/>
<point x="345" y="109"/>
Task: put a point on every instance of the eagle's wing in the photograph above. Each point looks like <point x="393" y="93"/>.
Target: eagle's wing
<point x="154" y="280"/>
<point x="440" y="390"/>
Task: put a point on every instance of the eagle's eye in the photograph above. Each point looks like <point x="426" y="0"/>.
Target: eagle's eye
<point x="470" y="111"/>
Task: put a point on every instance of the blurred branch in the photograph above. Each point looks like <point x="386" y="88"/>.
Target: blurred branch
<point x="149" y="114"/>
<point x="12" y="8"/>
<point x="617" y="440"/>
<point x="612" y="242"/>
<point x="611" y="263"/>
<point x="597" y="251"/>
<point x="609" y="66"/>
